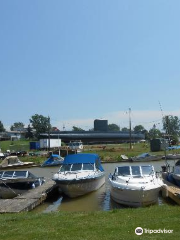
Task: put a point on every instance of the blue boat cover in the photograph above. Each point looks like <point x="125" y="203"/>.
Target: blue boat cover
<point x="83" y="158"/>
<point x="53" y="159"/>
<point x="143" y="155"/>
<point x="54" y="155"/>
<point x="173" y="147"/>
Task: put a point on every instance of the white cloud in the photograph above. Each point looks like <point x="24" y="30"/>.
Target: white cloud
<point x="145" y="118"/>
<point x="121" y="118"/>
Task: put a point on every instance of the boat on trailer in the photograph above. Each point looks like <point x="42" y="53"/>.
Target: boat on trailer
<point x="135" y="186"/>
<point x="80" y="174"/>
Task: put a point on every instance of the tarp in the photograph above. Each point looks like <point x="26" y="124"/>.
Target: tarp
<point x="84" y="158"/>
<point x="10" y="160"/>
<point x="173" y="147"/>
<point x="143" y="155"/>
<point x="53" y="159"/>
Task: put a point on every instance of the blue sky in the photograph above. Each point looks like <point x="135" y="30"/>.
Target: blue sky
<point x="78" y="60"/>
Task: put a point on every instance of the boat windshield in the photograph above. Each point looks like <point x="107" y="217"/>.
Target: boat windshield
<point x="8" y="174"/>
<point x="65" y="168"/>
<point x="88" y="166"/>
<point x="1" y="173"/>
<point x="124" y="170"/>
<point x="77" y="144"/>
<point x="76" y="167"/>
<point x="135" y="170"/>
<point x="147" y="170"/>
<point x="20" y="174"/>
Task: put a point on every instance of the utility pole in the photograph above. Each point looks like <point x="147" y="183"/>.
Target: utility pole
<point x="49" y="134"/>
<point x="130" y="135"/>
<point x="58" y="145"/>
<point x="164" y="141"/>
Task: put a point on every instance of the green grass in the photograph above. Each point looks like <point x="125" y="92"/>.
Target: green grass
<point x="116" y="224"/>
<point x="107" y="152"/>
<point x="19" y="145"/>
<point x="113" y="152"/>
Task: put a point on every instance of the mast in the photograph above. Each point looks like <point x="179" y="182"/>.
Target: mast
<point x="164" y="141"/>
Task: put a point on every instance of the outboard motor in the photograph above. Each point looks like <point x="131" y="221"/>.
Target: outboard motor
<point x="164" y="168"/>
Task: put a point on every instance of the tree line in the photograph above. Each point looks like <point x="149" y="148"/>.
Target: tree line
<point x="41" y="124"/>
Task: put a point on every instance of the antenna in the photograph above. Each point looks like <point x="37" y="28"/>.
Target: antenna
<point x="166" y="132"/>
<point x="166" y="119"/>
<point x="161" y="109"/>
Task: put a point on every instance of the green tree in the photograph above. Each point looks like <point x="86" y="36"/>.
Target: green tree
<point x="154" y="133"/>
<point x="29" y="134"/>
<point x="2" y="129"/>
<point x="125" y="129"/>
<point x="171" y="125"/>
<point x="77" y="129"/>
<point x="17" y="125"/>
<point x="138" y="128"/>
<point x="41" y="124"/>
<point x="113" y="127"/>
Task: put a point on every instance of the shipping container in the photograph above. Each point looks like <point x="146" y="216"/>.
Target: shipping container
<point x="158" y="144"/>
<point x="54" y="143"/>
<point x="34" y="145"/>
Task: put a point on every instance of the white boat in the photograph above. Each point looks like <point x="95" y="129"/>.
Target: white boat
<point x="80" y="174"/>
<point x="75" y="146"/>
<point x="135" y="186"/>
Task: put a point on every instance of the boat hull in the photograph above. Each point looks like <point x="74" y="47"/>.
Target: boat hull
<point x="15" y="166"/>
<point x="78" y="187"/>
<point x="8" y="192"/>
<point x="138" y="197"/>
<point x="172" y="156"/>
<point x="148" y="159"/>
<point x="11" y="188"/>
